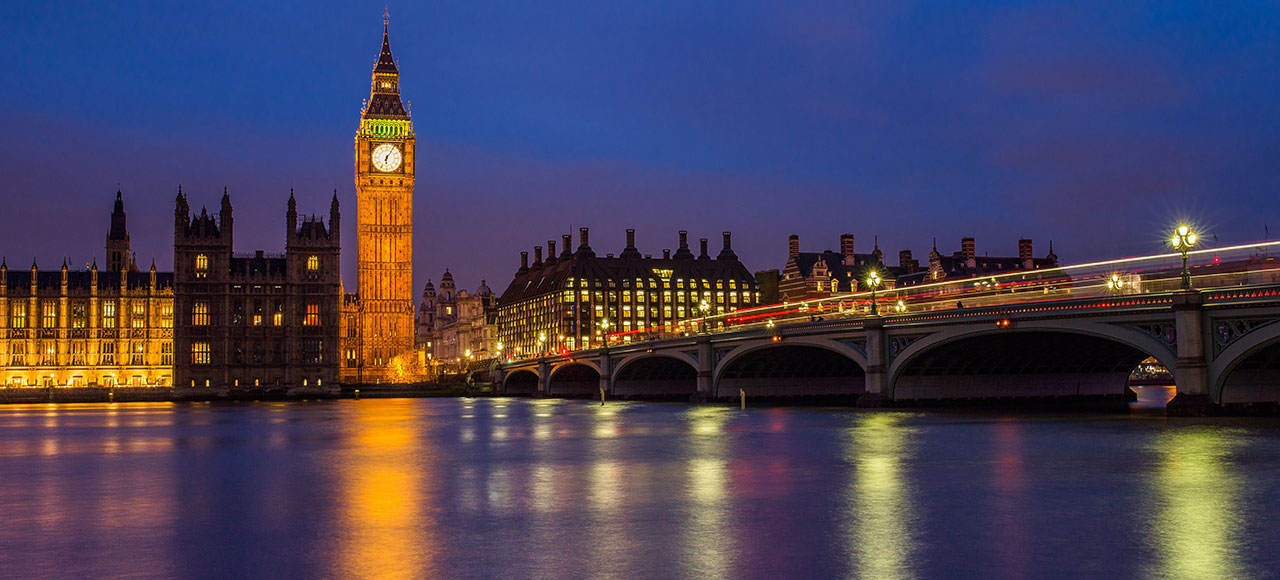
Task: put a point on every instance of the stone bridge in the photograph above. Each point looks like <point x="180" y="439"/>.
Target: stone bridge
<point x="1222" y="347"/>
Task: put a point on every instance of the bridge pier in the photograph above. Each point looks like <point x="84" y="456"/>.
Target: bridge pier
<point x="877" y="375"/>
<point x="706" y="380"/>
<point x="1192" y="374"/>
<point x="544" y="379"/>
<point x="606" y="373"/>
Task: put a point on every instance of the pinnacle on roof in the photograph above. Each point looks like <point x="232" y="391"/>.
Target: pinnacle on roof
<point x="386" y="63"/>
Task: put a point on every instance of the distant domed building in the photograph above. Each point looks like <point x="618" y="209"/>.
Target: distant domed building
<point x="455" y="327"/>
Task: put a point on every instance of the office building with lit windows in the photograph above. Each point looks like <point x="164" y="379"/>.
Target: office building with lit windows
<point x="575" y="299"/>
<point x="255" y="321"/>
<point x="82" y="328"/>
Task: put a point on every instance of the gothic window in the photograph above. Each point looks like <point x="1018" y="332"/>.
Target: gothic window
<point x="200" y="353"/>
<point x="202" y="266"/>
<point x="166" y="316"/>
<point x="48" y="353"/>
<point x="78" y="351"/>
<point x="137" y="354"/>
<point x="109" y="314"/>
<point x="313" y="315"/>
<point x="200" y="313"/>
<point x="19" y="315"/>
<point x="313" y="350"/>
<point x="49" y="309"/>
<point x="108" y="354"/>
<point x="139" y="314"/>
<point x="18" y="354"/>
<point x="166" y="353"/>
<point x="313" y="263"/>
<point x="79" y="315"/>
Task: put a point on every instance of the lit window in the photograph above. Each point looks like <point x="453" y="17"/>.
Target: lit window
<point x="50" y="318"/>
<point x="202" y="266"/>
<point x="109" y="314"/>
<point x="200" y="313"/>
<point x="313" y="263"/>
<point x="166" y="316"/>
<point x="277" y="319"/>
<point x="200" y="353"/>
<point x="313" y="315"/>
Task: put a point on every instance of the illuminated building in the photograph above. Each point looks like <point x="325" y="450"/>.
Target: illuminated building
<point x="85" y="327"/>
<point x="379" y="337"/>
<point x="820" y="274"/>
<point x="572" y="300"/>
<point x="255" y="321"/>
<point x="456" y="327"/>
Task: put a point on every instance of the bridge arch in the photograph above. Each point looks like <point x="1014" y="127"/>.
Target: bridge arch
<point x="520" y="382"/>
<point x="792" y="367"/>
<point x="574" y="379"/>
<point x="1248" y="370"/>
<point x="661" y="375"/>
<point x="1031" y="359"/>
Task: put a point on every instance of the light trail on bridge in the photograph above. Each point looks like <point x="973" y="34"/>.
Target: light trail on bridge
<point x="1212" y="268"/>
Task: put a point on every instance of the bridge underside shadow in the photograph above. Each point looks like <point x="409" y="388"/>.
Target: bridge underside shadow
<point x="1256" y="379"/>
<point x="657" y="377"/>
<point x="574" y="380"/>
<point x="521" y="383"/>
<point x="792" y="371"/>
<point x="1019" y="364"/>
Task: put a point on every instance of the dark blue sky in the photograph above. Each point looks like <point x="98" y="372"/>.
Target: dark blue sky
<point x="1095" y="124"/>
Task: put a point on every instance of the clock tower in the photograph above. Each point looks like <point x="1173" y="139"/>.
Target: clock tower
<point x="385" y="161"/>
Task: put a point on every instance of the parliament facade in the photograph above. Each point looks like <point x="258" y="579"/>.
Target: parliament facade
<point x="82" y="328"/>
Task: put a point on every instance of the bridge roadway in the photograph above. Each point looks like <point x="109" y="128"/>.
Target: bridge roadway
<point x="1221" y="345"/>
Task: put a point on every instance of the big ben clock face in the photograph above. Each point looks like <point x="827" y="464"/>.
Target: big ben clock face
<point x="386" y="157"/>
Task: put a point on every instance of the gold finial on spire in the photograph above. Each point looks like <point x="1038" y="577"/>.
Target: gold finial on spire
<point x="386" y="14"/>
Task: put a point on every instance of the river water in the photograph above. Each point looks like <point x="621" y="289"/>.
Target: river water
<point x="517" y="488"/>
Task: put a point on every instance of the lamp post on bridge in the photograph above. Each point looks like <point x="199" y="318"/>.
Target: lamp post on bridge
<point x="704" y="308"/>
<point x="1183" y="240"/>
<point x="873" y="282"/>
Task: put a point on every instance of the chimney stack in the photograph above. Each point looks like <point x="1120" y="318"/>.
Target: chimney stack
<point x="537" y="256"/>
<point x="684" y="239"/>
<point x="566" y="243"/>
<point x="551" y="251"/>
<point x="793" y="246"/>
<point x="666" y="253"/>
<point x="970" y="251"/>
<point x="727" y="252"/>
<point x="703" y="255"/>
<point x="846" y="250"/>
<point x="631" y="237"/>
<point x="1024" y="253"/>
<point x="582" y="235"/>
<point x="524" y="262"/>
<point x="907" y="263"/>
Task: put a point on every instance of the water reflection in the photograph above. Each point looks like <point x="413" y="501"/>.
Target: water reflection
<point x="709" y="540"/>
<point x="385" y="529"/>
<point x="878" y="500"/>
<point x="1197" y="511"/>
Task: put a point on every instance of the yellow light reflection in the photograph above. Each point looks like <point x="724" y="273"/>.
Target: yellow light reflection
<point x="712" y="540"/>
<point x="1195" y="529"/>
<point x="879" y="505"/>
<point x="384" y="499"/>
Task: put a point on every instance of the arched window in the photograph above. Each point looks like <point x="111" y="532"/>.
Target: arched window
<point x="202" y="266"/>
<point x="313" y="263"/>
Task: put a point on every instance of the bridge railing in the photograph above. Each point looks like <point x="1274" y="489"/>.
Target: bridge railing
<point x="1213" y="268"/>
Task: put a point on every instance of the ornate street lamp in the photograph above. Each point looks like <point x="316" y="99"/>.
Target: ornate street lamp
<point x="900" y="307"/>
<point x="1115" y="284"/>
<point x="704" y="308"/>
<point x="542" y="339"/>
<point x="873" y="282"/>
<point x="1183" y="240"/>
<point x="604" y="330"/>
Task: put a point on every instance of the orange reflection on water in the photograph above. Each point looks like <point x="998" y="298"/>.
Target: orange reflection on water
<point x="384" y="495"/>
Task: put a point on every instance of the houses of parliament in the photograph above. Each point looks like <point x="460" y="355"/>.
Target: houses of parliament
<point x="227" y="320"/>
